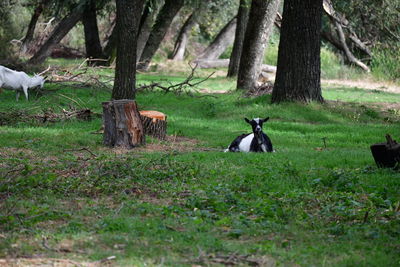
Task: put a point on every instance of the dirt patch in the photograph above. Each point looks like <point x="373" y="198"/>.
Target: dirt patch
<point x="45" y="262"/>
<point x="364" y="84"/>
<point x="172" y="143"/>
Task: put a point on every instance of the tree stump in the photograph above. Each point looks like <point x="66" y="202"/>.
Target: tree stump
<point x="154" y="123"/>
<point x="122" y="124"/>
<point x="386" y="155"/>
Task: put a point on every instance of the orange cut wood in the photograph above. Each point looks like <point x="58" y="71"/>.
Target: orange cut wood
<point x="153" y="114"/>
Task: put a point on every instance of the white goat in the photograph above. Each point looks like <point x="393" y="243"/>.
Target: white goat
<point x="19" y="81"/>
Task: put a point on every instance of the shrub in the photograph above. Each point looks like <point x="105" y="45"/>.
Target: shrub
<point x="386" y="62"/>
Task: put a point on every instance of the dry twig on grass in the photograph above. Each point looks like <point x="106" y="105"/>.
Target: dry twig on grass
<point x="178" y="88"/>
<point x="81" y="149"/>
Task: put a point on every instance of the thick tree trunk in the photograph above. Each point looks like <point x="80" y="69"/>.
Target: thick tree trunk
<point x="32" y="25"/>
<point x="160" y="28"/>
<point x="259" y="27"/>
<point x="92" y="39"/>
<point x="147" y="20"/>
<point x="65" y="25"/>
<point x="242" y="18"/>
<point x="298" y="76"/>
<point x="128" y="14"/>
<point x="181" y="42"/>
<point x="223" y="39"/>
<point x="122" y="124"/>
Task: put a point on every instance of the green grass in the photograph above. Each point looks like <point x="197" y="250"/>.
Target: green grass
<point x="306" y="204"/>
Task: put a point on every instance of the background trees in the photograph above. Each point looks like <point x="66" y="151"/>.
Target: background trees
<point x="164" y="20"/>
<point x="369" y="41"/>
<point x="242" y="18"/>
<point x="259" y="26"/>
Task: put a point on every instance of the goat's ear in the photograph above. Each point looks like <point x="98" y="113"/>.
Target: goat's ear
<point x="267" y="118"/>
<point x="247" y="120"/>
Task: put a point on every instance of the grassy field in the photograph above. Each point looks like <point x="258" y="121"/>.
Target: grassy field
<point x="183" y="202"/>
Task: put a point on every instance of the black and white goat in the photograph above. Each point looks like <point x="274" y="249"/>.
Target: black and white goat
<point x="257" y="141"/>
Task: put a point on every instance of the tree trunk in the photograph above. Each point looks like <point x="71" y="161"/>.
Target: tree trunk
<point x="32" y="25"/>
<point x="146" y="23"/>
<point x="298" y="76"/>
<point x="110" y="47"/>
<point x="242" y="18"/>
<point x="92" y="39"/>
<point x="6" y="33"/>
<point x="122" y="124"/>
<point x="128" y="14"/>
<point x="259" y="27"/>
<point x="223" y="39"/>
<point x="65" y="25"/>
<point x="160" y="28"/>
<point x="181" y="42"/>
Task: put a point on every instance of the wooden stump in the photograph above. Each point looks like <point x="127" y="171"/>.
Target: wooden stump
<point x="386" y="155"/>
<point x="122" y="124"/>
<point x="154" y="123"/>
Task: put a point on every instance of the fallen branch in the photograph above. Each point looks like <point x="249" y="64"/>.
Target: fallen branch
<point x="15" y="116"/>
<point x="81" y="149"/>
<point x="224" y="63"/>
<point x="178" y="88"/>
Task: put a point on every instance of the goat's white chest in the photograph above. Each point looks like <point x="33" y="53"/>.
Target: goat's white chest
<point x="244" y="145"/>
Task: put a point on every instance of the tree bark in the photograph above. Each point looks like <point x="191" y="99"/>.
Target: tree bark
<point x="65" y="25"/>
<point x="32" y="25"/>
<point x="147" y="20"/>
<point x="110" y="47"/>
<point x="92" y="39"/>
<point x="128" y="14"/>
<point x="181" y="42"/>
<point x="298" y="76"/>
<point x="223" y="39"/>
<point x="259" y="27"/>
<point x="160" y="28"/>
<point x="122" y="124"/>
<point x="242" y="18"/>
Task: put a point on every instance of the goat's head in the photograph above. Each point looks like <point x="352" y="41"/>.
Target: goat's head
<point x="39" y="80"/>
<point x="256" y="124"/>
